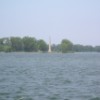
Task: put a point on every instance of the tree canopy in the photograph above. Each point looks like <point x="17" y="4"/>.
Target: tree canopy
<point x="30" y="44"/>
<point x="42" y="46"/>
<point x="66" y="46"/>
<point x="16" y="43"/>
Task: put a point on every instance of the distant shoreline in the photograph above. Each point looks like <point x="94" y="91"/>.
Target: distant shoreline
<point x="31" y="44"/>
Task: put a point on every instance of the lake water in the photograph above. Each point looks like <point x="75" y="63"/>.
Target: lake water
<point x="29" y="76"/>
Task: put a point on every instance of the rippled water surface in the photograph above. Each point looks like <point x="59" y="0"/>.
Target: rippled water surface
<point x="29" y="76"/>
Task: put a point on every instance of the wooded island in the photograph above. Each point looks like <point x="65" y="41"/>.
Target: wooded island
<point x="31" y="44"/>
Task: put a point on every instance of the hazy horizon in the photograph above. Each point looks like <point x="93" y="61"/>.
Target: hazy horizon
<point x="76" y="20"/>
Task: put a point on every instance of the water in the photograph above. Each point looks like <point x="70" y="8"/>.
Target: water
<point x="29" y="76"/>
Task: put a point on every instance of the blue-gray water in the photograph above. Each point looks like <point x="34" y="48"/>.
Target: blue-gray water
<point x="29" y="76"/>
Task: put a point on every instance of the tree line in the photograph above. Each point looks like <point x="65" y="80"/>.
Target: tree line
<point x="31" y="44"/>
<point x="27" y="44"/>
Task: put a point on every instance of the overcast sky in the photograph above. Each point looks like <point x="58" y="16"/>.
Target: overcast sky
<point x="76" y="20"/>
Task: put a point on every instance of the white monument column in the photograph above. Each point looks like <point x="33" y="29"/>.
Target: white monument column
<point x="49" y="50"/>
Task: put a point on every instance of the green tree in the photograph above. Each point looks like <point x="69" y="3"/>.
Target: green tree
<point x="78" y="48"/>
<point x="1" y="44"/>
<point x="1" y="47"/>
<point x="97" y="48"/>
<point x="1" y="41"/>
<point x="30" y="44"/>
<point x="16" y="43"/>
<point x="81" y="48"/>
<point x="7" y="48"/>
<point x="88" y="48"/>
<point x="6" y="41"/>
<point x="56" y="47"/>
<point x="42" y="46"/>
<point x="66" y="46"/>
<point x="5" y="45"/>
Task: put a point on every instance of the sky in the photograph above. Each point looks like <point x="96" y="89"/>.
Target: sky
<point x="75" y="20"/>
